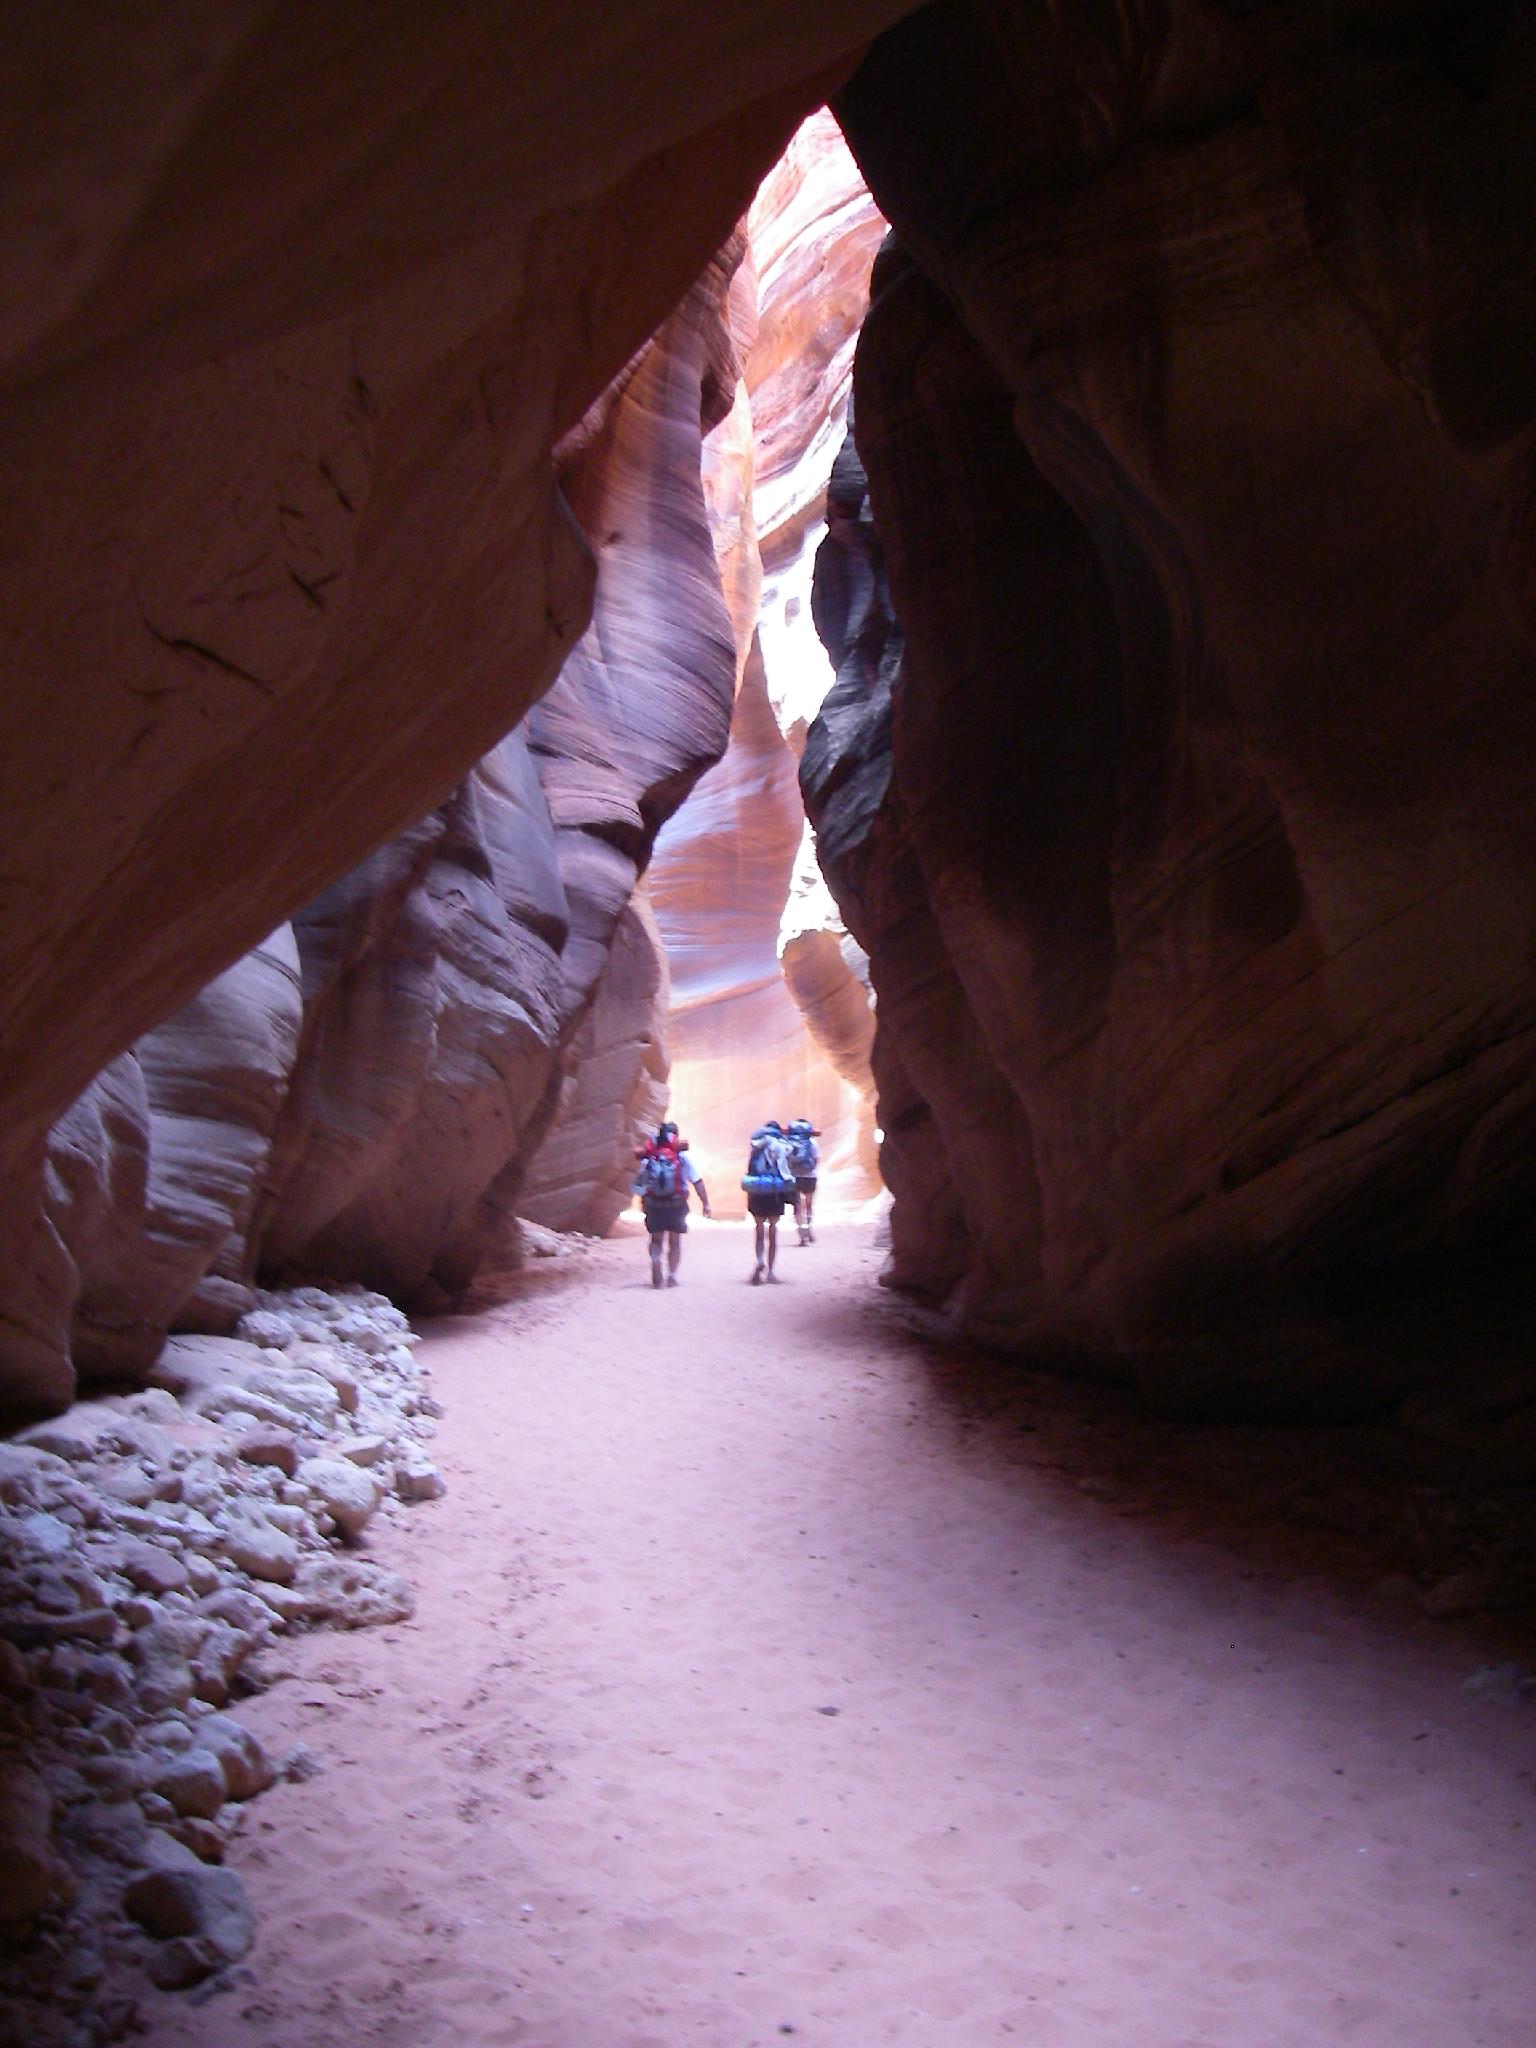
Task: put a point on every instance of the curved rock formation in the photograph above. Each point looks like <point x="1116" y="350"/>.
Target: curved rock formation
<point x="1198" y="890"/>
<point x="464" y="998"/>
<point x="447" y="978"/>
<point x="615" y="1091"/>
<point x="152" y="1174"/>
<point x="432" y="1010"/>
<point x="814" y="232"/>
<point x="740" y="1051"/>
<point x="303" y="314"/>
<point x="827" y="972"/>
<point x="739" y="856"/>
<point x="299" y="312"/>
<point x="1199" y="901"/>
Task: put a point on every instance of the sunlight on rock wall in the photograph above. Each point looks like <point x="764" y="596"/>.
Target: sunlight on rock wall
<point x="770" y="1016"/>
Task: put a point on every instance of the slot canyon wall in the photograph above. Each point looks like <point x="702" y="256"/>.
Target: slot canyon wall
<point x="472" y="1024"/>
<point x="1182" y="825"/>
<point x="1187" y="817"/>
<point x="758" y="951"/>
<point x="303" y="366"/>
<point x="362" y="1095"/>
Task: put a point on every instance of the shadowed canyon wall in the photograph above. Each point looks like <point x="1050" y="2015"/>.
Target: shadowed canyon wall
<point x="1188" y="820"/>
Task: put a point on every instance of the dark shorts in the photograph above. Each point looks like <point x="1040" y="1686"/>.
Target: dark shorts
<point x="766" y="1208"/>
<point x="805" y="1183"/>
<point x="669" y="1214"/>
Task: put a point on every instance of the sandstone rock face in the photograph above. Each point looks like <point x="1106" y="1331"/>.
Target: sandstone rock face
<point x="814" y="231"/>
<point x="740" y="1051"/>
<point x="304" y="336"/>
<point x="1199" y="898"/>
<point x="481" y="977"/>
<point x="739" y="851"/>
<point x="640" y="710"/>
<point x="150" y="1180"/>
<point x="432" y="1006"/>
<point x="216" y="1078"/>
<point x="1195" y="878"/>
<point x="826" y="971"/>
<point x="299" y="317"/>
<point x="616" y="1086"/>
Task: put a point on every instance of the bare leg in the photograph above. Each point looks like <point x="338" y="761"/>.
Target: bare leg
<point x="674" y="1255"/>
<point x="810" y="1204"/>
<point x="656" y="1258"/>
<point x="757" y="1273"/>
<point x="773" y="1245"/>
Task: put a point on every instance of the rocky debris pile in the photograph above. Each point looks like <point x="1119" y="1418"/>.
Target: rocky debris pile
<point x="536" y="1241"/>
<point x="532" y="1248"/>
<point x="152" y="1545"/>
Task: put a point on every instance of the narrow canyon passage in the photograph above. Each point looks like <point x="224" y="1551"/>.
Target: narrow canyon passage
<point x="775" y="1674"/>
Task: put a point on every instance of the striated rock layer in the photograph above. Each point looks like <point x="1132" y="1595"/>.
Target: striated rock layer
<point x="299" y="309"/>
<point x="362" y="1097"/>
<point x="755" y="942"/>
<point x="615" y="1090"/>
<point x="1197" y="869"/>
<point x="299" y="313"/>
<point x="1196" y="874"/>
<point x="740" y="1047"/>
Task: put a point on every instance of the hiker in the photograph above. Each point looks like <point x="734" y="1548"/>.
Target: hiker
<point x="662" y="1179"/>
<point x="769" y="1182"/>
<point x="804" y="1158"/>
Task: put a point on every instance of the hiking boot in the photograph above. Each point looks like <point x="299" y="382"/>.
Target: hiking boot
<point x="757" y="1277"/>
<point x="672" y="1280"/>
<point x="655" y="1276"/>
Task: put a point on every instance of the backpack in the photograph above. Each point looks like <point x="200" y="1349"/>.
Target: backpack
<point x="803" y="1155"/>
<point x="660" y="1178"/>
<point x="762" y="1176"/>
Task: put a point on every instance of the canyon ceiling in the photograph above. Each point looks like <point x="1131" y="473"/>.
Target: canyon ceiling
<point x="1177" y="781"/>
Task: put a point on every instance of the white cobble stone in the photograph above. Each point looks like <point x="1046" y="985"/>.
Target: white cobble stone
<point x="147" y="1572"/>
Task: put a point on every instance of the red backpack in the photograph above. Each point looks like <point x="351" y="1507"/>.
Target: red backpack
<point x="661" y="1172"/>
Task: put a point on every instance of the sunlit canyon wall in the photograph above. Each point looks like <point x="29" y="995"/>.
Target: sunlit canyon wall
<point x="769" y="1014"/>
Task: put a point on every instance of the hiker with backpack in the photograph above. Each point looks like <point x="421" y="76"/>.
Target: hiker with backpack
<point x="769" y="1182"/>
<point x="664" y="1173"/>
<point x="804" y="1158"/>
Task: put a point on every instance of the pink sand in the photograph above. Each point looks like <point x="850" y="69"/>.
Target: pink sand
<point x="770" y="1681"/>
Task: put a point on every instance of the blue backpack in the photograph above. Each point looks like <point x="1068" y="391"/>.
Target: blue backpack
<point x="762" y="1176"/>
<point x="803" y="1155"/>
<point x="660" y="1178"/>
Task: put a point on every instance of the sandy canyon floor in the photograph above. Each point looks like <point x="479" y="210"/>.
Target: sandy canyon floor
<point x="777" y="1674"/>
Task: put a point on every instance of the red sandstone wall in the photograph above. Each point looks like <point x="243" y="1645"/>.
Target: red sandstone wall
<point x="1189" y="839"/>
<point x="734" y="880"/>
<point x="363" y="1097"/>
<point x="297" y="305"/>
<point x="1202" y="844"/>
